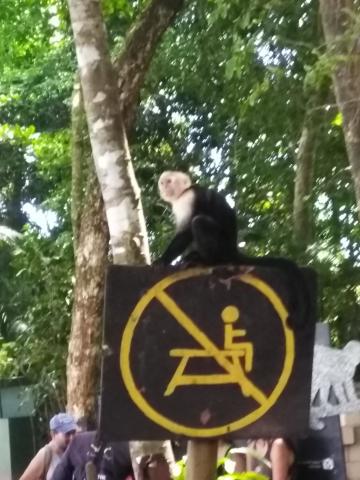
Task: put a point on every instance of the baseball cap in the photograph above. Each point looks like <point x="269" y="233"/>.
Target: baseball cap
<point x="62" y="422"/>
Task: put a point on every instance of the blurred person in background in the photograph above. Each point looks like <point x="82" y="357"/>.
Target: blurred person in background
<point x="62" y="430"/>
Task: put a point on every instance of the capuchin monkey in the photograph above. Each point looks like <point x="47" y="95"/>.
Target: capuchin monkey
<point x="206" y="225"/>
<point x="206" y="234"/>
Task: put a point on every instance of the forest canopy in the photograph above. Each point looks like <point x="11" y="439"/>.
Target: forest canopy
<point x="238" y="93"/>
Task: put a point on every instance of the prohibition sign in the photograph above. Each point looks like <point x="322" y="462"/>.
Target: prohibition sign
<point x="158" y="292"/>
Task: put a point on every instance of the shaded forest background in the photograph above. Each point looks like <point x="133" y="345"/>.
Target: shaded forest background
<point x="239" y="93"/>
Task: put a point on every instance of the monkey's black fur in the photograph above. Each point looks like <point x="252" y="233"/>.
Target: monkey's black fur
<point x="210" y="231"/>
<point x="209" y="237"/>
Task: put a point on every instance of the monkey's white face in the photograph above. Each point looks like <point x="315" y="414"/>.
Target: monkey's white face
<point x="172" y="185"/>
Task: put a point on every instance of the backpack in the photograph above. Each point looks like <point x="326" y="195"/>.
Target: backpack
<point x="108" y="461"/>
<point x="92" y="464"/>
<point x="100" y="463"/>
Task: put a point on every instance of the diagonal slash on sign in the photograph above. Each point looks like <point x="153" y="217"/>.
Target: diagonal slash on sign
<point x="186" y="322"/>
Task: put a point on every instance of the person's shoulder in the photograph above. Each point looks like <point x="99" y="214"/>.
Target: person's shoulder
<point x="44" y="448"/>
<point x="36" y="466"/>
<point x="43" y="452"/>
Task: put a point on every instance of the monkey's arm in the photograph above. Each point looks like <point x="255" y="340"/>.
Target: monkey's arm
<point x="176" y="247"/>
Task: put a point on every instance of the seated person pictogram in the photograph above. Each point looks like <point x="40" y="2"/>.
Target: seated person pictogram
<point x="239" y="353"/>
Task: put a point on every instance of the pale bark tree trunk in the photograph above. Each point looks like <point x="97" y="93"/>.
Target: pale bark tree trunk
<point x="107" y="118"/>
<point x="91" y="245"/>
<point x="340" y="20"/>
<point x="107" y="135"/>
<point x="79" y="152"/>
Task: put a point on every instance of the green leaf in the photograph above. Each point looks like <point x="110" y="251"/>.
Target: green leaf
<point x="337" y="121"/>
<point x="243" y="476"/>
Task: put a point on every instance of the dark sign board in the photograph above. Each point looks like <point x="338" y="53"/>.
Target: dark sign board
<point x="320" y="456"/>
<point x="203" y="352"/>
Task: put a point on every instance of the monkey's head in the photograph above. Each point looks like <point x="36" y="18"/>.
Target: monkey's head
<point x="172" y="185"/>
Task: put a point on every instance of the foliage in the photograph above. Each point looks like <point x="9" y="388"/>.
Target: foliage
<point x="39" y="93"/>
<point x="37" y="68"/>
<point x="222" y="474"/>
<point x="225" y="98"/>
<point x="232" y="84"/>
<point x="7" y="359"/>
<point x="39" y="297"/>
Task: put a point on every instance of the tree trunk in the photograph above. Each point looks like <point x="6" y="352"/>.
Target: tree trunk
<point x="80" y="153"/>
<point x="91" y="240"/>
<point x="340" y="24"/>
<point x="140" y="45"/>
<point x="108" y="136"/>
<point x="111" y="154"/>
<point x="85" y="338"/>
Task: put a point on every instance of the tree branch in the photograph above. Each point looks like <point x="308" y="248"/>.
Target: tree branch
<point x="142" y="40"/>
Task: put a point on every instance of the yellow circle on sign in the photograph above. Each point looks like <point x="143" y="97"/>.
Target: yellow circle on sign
<point x="158" y="291"/>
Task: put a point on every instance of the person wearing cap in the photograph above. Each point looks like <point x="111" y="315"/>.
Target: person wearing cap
<point x="113" y="462"/>
<point x="62" y="429"/>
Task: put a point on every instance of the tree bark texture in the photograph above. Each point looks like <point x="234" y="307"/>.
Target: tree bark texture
<point x="91" y="238"/>
<point x="85" y="342"/>
<point x="80" y="150"/>
<point x="340" y="24"/>
<point x="110" y="149"/>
